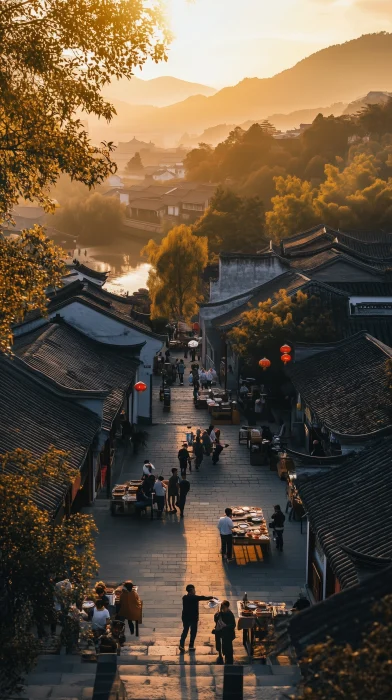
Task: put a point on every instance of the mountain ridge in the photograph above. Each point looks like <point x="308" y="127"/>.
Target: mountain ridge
<point x="155" y="92"/>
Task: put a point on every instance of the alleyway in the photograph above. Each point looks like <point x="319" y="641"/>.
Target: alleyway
<point x="162" y="557"/>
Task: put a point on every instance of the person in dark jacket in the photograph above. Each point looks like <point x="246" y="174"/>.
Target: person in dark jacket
<point x="198" y="451"/>
<point x="184" y="487"/>
<point x="224" y="633"/>
<point x="278" y="519"/>
<point x="190" y="616"/>
<point x="183" y="456"/>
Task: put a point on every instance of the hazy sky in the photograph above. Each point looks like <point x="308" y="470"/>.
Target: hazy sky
<point x="219" y="42"/>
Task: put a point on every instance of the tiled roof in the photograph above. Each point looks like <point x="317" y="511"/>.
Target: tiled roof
<point x="378" y="288"/>
<point x="349" y="509"/>
<point x="33" y="417"/>
<point x="103" y="301"/>
<point x="95" y="274"/>
<point x="346" y="387"/>
<point x="290" y="281"/>
<point x="378" y="326"/>
<point x="369" y="244"/>
<point x="73" y="360"/>
<point x="148" y="204"/>
<point x="343" y="617"/>
<point x="311" y="262"/>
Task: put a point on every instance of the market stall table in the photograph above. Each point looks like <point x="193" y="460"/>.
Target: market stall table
<point x="124" y="498"/>
<point x="250" y="528"/>
<point x="257" y="619"/>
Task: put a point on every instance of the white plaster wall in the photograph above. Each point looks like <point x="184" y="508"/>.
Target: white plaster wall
<point x="237" y="275"/>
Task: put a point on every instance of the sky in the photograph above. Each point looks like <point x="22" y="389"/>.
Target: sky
<point x="220" y="42"/>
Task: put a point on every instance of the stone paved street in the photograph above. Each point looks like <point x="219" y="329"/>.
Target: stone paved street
<point x="162" y="557"/>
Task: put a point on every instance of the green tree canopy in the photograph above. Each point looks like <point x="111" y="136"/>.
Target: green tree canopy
<point x="292" y="207"/>
<point x="285" y="318"/>
<point x="174" y="281"/>
<point x="55" y="58"/>
<point x="94" y="219"/>
<point x="232" y="223"/>
<point x="35" y="554"/>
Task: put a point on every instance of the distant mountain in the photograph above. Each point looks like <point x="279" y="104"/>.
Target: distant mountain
<point x="158" y="92"/>
<point x="372" y="98"/>
<point x="337" y="74"/>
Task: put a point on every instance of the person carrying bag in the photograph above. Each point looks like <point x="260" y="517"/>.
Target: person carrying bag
<point x="224" y="633"/>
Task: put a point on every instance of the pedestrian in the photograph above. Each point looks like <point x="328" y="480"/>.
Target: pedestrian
<point x="225" y="527"/>
<point x="224" y="633"/>
<point x="199" y="354"/>
<point x="278" y="519"/>
<point x="184" y="487"/>
<point x="207" y="444"/>
<point x="190" y="616"/>
<point x="198" y="452"/>
<point x="181" y="371"/>
<point x="183" y="456"/>
<point x="195" y="394"/>
<point x="190" y="379"/>
<point x="172" y="491"/>
<point x="130" y="606"/>
<point x="100" y="617"/>
<point x="209" y="379"/>
<point x="160" y="493"/>
<point x="211" y="433"/>
<point x="214" y="375"/>
<point x="302" y="603"/>
<point x="148" y="468"/>
<point x="203" y="378"/>
<point x="142" y="500"/>
<point x="216" y="453"/>
<point x="189" y="436"/>
<point x="167" y="354"/>
<point x="193" y="354"/>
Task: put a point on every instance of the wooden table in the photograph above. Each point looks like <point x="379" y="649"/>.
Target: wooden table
<point x="258" y="621"/>
<point x="245" y="540"/>
<point x="119" y="502"/>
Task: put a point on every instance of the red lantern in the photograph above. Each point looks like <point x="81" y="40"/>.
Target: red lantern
<point x="285" y="349"/>
<point x="286" y="358"/>
<point x="140" y="386"/>
<point x="265" y="363"/>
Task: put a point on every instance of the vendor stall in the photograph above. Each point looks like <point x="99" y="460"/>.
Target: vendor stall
<point x="124" y="499"/>
<point x="250" y="528"/>
<point x="257" y="620"/>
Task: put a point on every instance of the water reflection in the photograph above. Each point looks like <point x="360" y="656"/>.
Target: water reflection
<point x="128" y="271"/>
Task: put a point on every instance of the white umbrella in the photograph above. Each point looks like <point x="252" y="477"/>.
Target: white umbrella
<point x="193" y="344"/>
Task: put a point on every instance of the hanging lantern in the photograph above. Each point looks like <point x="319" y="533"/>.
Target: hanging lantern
<point x="265" y="363"/>
<point x="286" y="358"/>
<point x="285" y="349"/>
<point x="140" y="386"/>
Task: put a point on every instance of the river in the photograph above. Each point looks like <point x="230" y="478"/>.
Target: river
<point x="128" y="271"/>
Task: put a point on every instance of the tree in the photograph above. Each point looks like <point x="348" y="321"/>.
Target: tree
<point x="197" y="162"/>
<point x="94" y="219"/>
<point x="264" y="329"/>
<point x="232" y="223"/>
<point x="174" y="279"/>
<point x="36" y="553"/>
<point x="292" y="208"/>
<point x="29" y="264"/>
<point x="333" y="672"/>
<point x="55" y="58"/>
<point x="134" y="165"/>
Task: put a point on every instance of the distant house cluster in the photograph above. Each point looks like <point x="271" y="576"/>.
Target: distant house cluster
<point x="149" y="207"/>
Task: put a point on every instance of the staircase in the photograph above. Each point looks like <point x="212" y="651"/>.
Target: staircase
<point x="151" y="667"/>
<point x="63" y="677"/>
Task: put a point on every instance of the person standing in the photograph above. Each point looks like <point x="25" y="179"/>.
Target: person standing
<point x="184" y="488"/>
<point x="198" y="452"/>
<point x="183" y="456"/>
<point x="224" y="633"/>
<point x="172" y="491"/>
<point x="130" y="606"/>
<point x="209" y="379"/>
<point x="278" y="519"/>
<point x="207" y="444"/>
<point x="225" y="527"/>
<point x="181" y="370"/>
<point x="160" y="492"/>
<point x="190" y="616"/>
<point x="148" y="468"/>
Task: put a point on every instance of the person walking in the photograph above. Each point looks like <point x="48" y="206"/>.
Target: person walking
<point x="207" y="444"/>
<point x="224" y="633"/>
<point x="278" y="519"/>
<point x="190" y="616"/>
<point x="130" y="606"/>
<point x="181" y="371"/>
<point x="225" y="527"/>
<point x="172" y="490"/>
<point x="184" y="488"/>
<point x="184" y="458"/>
<point x="203" y="378"/>
<point x="160" y="492"/>
<point x="198" y="452"/>
<point x="209" y="379"/>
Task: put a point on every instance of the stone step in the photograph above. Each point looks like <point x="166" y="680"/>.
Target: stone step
<point x="57" y="692"/>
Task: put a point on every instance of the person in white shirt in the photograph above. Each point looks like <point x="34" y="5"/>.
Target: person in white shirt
<point x="209" y="378"/>
<point x="225" y="527"/>
<point x="148" y="468"/>
<point x="214" y="374"/>
<point x="160" y="493"/>
<point x="211" y="433"/>
<point x="100" y="617"/>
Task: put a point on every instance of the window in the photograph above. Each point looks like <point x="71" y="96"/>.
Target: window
<point x="172" y="211"/>
<point x="193" y="207"/>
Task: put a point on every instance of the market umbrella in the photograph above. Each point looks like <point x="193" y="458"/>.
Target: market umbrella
<point x="193" y="344"/>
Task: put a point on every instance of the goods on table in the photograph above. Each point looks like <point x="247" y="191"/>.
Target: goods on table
<point x="250" y="525"/>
